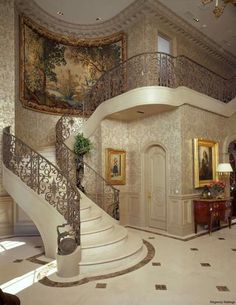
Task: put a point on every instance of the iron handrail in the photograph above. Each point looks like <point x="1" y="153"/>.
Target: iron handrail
<point x="94" y="185"/>
<point x="44" y="178"/>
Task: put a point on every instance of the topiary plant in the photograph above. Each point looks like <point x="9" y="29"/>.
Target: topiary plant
<point x="82" y="145"/>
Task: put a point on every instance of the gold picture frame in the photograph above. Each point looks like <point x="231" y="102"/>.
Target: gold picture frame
<point x="116" y="166"/>
<point x="205" y="162"/>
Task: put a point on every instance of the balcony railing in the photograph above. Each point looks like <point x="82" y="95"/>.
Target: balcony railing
<point x="158" y="69"/>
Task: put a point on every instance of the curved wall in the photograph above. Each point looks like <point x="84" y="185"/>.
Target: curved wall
<point x="141" y="26"/>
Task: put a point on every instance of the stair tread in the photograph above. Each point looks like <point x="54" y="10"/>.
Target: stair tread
<point x="132" y="245"/>
<point x="103" y="225"/>
<point x="114" y="236"/>
<point x="93" y="214"/>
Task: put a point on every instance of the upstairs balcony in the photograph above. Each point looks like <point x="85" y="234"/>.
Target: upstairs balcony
<point x="159" y="69"/>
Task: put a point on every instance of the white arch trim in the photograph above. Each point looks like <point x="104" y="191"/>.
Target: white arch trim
<point x="226" y="143"/>
<point x="157" y="95"/>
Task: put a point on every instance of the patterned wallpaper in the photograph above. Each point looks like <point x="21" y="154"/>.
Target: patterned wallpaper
<point x="35" y="128"/>
<point x="231" y="126"/>
<point x="197" y="123"/>
<point x="142" y="37"/>
<point x="175" y="131"/>
<point x="7" y="71"/>
<point x="162" y="129"/>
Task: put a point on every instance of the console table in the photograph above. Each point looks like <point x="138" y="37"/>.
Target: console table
<point x="207" y="211"/>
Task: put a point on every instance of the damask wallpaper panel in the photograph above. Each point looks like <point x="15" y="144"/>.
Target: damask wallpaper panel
<point x="208" y="126"/>
<point x="7" y="72"/>
<point x="162" y="129"/>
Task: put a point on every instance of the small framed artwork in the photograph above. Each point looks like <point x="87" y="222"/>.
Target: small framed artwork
<point x="205" y="162"/>
<point x="115" y="166"/>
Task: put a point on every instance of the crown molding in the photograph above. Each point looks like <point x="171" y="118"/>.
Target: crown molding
<point x="121" y="22"/>
<point x="176" y="22"/>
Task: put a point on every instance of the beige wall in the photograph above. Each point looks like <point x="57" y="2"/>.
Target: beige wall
<point x="197" y="123"/>
<point x="142" y="37"/>
<point x="7" y="71"/>
<point x="174" y="131"/>
<point x="38" y="129"/>
<point x="35" y="128"/>
<point x="7" y="100"/>
<point x="134" y="137"/>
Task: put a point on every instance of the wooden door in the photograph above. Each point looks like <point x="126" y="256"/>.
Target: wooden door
<point x="156" y="187"/>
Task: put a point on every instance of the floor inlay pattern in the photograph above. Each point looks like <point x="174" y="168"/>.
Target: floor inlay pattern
<point x="34" y="259"/>
<point x="101" y="285"/>
<point x="18" y="261"/>
<point x="205" y="265"/>
<point x="161" y="287"/>
<point x="156" y="264"/>
<point x="151" y="252"/>
<point x="222" y="288"/>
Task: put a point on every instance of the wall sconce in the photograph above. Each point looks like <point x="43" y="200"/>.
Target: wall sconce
<point x="224" y="168"/>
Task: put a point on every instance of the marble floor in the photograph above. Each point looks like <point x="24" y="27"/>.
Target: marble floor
<point x="199" y="271"/>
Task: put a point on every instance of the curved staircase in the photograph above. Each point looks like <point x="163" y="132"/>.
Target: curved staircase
<point x="104" y="243"/>
<point x="42" y="191"/>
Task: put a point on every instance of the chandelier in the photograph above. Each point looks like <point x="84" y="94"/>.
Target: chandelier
<point x="219" y="8"/>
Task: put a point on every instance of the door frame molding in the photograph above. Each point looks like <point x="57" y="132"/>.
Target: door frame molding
<point x="143" y="208"/>
<point x="225" y="147"/>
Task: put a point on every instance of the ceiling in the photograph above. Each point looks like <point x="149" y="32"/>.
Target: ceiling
<point x="220" y="30"/>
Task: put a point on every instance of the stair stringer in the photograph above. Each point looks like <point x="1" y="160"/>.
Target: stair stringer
<point x="45" y="217"/>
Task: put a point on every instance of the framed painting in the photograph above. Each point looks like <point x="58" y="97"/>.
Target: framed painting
<point x="205" y="162"/>
<point x="115" y="166"/>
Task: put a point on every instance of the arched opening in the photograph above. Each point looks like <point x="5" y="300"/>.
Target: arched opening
<point x="232" y="160"/>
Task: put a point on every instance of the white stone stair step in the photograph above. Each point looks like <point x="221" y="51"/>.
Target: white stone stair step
<point x="117" y="234"/>
<point x="85" y="210"/>
<point x="115" y="265"/>
<point x="132" y="245"/>
<point x="103" y="226"/>
<point x="91" y="219"/>
<point x="84" y="204"/>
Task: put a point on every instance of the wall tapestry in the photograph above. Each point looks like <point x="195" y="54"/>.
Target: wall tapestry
<point x="205" y="162"/>
<point x="57" y="71"/>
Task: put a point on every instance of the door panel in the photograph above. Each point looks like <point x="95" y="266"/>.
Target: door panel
<point x="156" y="177"/>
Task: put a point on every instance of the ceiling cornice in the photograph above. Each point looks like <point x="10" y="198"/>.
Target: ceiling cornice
<point x="121" y="22"/>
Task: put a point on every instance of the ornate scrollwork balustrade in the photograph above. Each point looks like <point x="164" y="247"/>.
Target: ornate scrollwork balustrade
<point x="158" y="69"/>
<point x="94" y="185"/>
<point x="44" y="178"/>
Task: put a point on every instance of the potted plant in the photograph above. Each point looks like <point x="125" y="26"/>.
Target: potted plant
<point x="81" y="147"/>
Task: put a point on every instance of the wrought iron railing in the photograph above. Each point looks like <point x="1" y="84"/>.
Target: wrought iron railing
<point x="44" y="178"/>
<point x="147" y="69"/>
<point x="158" y="69"/>
<point x="94" y="185"/>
